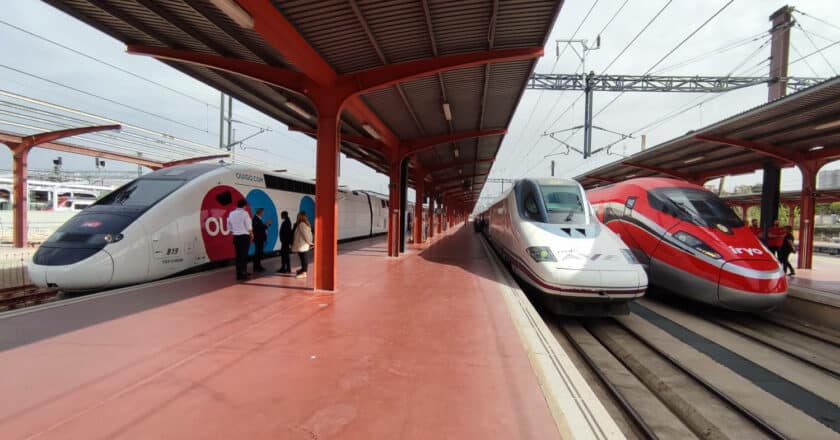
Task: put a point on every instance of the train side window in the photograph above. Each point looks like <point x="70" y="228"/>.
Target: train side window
<point x="630" y="203"/>
<point x="383" y="203"/>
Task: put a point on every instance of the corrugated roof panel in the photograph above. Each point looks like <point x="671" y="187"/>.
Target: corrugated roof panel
<point x="399" y="28"/>
<point x="464" y="87"/>
<point x="390" y="108"/>
<point x="425" y="97"/>
<point x="460" y="26"/>
<point x="332" y="29"/>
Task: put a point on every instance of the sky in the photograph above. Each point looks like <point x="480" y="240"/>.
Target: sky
<point x="176" y="104"/>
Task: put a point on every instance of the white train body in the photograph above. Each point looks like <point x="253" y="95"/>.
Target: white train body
<point x="546" y="230"/>
<point x="174" y="220"/>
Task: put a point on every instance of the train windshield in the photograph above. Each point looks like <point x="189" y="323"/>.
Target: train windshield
<point x="563" y="203"/>
<point x="695" y="205"/>
<point x="141" y="193"/>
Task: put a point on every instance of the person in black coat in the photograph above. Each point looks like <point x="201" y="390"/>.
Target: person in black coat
<point x="260" y="237"/>
<point x="286" y="236"/>
<point x="785" y="250"/>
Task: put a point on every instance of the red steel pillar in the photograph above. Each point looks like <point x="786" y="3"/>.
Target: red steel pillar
<point x="21" y="205"/>
<point x="326" y="210"/>
<point x="394" y="209"/>
<point x="419" y="192"/>
<point x="431" y="216"/>
<point x="807" y="210"/>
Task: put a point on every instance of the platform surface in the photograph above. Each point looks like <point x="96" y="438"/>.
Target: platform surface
<point x="824" y="277"/>
<point x="420" y="347"/>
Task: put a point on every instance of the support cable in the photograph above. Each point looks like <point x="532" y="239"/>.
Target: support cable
<point x="109" y="100"/>
<point x="539" y="98"/>
<point x="830" y="66"/>
<point x="684" y="40"/>
<point x="650" y="22"/>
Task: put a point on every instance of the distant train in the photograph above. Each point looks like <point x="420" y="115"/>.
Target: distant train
<point x="174" y="219"/>
<point x="692" y="243"/>
<point x="546" y="230"/>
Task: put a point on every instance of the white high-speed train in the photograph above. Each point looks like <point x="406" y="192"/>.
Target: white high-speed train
<point x="174" y="219"/>
<point x="546" y="230"/>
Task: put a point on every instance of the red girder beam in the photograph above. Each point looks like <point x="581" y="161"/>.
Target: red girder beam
<point x="85" y="151"/>
<point x="743" y="169"/>
<point x="765" y="149"/>
<point x="665" y="171"/>
<point x="350" y="86"/>
<point x="602" y="179"/>
<point x="190" y="160"/>
<point x="20" y="152"/>
<point x="459" y="164"/>
<point x="369" y="143"/>
<point x="440" y="183"/>
<point x="413" y="146"/>
<point x="391" y="74"/>
<point x="276" y="76"/>
<point x="40" y="138"/>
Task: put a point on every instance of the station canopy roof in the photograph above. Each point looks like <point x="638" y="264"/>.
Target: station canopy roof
<point x="803" y="126"/>
<point x="353" y="36"/>
<point x="823" y="195"/>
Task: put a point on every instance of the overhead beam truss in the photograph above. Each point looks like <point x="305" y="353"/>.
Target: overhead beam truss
<point x="650" y="83"/>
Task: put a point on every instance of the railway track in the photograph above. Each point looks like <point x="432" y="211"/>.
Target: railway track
<point x="27" y="295"/>
<point x="672" y="373"/>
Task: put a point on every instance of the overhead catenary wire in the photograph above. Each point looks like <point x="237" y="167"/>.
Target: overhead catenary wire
<point x="798" y="53"/>
<point x="78" y="52"/>
<point x="830" y="66"/>
<point x="553" y="67"/>
<point x="639" y="34"/>
<point x="720" y="10"/>
<point x="670" y="52"/>
<point x="109" y="100"/>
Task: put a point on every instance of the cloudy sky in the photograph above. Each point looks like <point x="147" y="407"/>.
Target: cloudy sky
<point x="734" y="42"/>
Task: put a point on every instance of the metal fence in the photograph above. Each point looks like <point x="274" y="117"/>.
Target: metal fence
<point x="13" y="263"/>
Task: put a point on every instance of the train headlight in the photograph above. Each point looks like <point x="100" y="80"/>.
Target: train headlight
<point x="629" y="256"/>
<point x="541" y="253"/>
<point x="697" y="244"/>
<point x="112" y="238"/>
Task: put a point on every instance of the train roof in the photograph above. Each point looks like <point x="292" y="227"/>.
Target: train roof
<point x="554" y="181"/>
<point x="650" y="183"/>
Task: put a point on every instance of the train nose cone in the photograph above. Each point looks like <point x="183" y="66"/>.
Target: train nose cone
<point x="91" y="273"/>
<point x="752" y="290"/>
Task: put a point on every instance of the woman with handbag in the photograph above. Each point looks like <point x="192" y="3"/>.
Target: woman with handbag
<point x="302" y="242"/>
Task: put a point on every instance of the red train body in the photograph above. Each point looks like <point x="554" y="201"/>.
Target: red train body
<point x="692" y="243"/>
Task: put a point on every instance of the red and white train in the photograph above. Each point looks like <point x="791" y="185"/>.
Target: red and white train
<point x="692" y="243"/>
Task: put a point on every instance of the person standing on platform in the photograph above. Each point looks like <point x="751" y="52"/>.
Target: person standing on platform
<point x="286" y="238"/>
<point x="239" y="224"/>
<point x="775" y="236"/>
<point x="785" y="250"/>
<point x="755" y="228"/>
<point x="260" y="237"/>
<point x="302" y="242"/>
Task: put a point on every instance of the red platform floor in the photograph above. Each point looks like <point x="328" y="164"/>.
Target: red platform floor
<point x="420" y="347"/>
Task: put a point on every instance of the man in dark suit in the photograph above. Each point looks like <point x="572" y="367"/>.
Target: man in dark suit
<point x="260" y="237"/>
<point x="286" y="237"/>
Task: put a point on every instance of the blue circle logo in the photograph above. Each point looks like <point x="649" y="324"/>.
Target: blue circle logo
<point x="257" y="198"/>
<point x="307" y="205"/>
